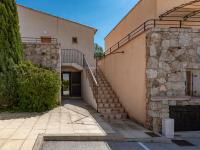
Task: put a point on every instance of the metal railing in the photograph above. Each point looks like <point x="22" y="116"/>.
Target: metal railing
<point x="149" y="24"/>
<point x="92" y="78"/>
<point x="72" y="56"/>
<point x="39" y="40"/>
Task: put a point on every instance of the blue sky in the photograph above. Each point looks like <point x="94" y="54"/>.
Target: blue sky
<point x="101" y="14"/>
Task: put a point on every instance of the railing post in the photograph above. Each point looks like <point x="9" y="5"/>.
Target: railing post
<point x="83" y="55"/>
<point x="180" y="24"/>
<point x="129" y="36"/>
<point x="154" y="23"/>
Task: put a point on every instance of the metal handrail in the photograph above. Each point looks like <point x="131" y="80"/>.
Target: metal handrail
<point x="38" y="40"/>
<point x="147" y="25"/>
<point x="87" y="66"/>
<point x="92" y="79"/>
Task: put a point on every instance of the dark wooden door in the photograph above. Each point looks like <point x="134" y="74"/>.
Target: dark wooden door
<point x="76" y="84"/>
<point x="187" y="118"/>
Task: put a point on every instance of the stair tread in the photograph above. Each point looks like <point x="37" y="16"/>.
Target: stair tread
<point x="107" y="101"/>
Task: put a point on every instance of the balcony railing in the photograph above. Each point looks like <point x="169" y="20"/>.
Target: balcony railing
<point x="70" y="56"/>
<point x="39" y="40"/>
<point x="149" y="24"/>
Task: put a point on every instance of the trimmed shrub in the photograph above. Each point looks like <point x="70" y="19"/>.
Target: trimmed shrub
<point x="37" y="88"/>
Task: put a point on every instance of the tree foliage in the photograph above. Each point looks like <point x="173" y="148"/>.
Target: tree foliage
<point x="10" y="41"/>
<point x="22" y="85"/>
<point x="98" y="51"/>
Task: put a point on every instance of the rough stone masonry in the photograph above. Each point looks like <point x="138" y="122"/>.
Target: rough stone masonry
<point x="48" y="55"/>
<point x="170" y="53"/>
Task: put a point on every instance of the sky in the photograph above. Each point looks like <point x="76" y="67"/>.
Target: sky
<point x="100" y="14"/>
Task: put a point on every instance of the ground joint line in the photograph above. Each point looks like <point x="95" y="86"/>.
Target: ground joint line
<point x="143" y="146"/>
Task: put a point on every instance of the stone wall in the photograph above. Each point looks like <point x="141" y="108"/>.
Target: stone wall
<point x="170" y="53"/>
<point x="48" y="55"/>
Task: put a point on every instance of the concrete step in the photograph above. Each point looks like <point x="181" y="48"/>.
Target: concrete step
<point x="115" y="116"/>
<point x="111" y="110"/>
<point x="107" y="101"/>
<point x="109" y="105"/>
<point x="110" y="100"/>
<point x="111" y="92"/>
<point x="103" y="84"/>
<point x="107" y="96"/>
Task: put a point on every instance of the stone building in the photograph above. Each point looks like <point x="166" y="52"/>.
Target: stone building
<point x="152" y="62"/>
<point x="173" y="77"/>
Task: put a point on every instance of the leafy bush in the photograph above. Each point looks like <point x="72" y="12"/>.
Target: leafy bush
<point x="22" y="85"/>
<point x="37" y="88"/>
<point x="8" y="88"/>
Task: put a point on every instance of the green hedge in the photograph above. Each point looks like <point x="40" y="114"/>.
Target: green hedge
<point x="35" y="89"/>
<point x="38" y="88"/>
<point x="8" y="88"/>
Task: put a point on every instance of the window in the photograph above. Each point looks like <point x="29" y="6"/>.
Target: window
<point x="46" y="39"/>
<point x="189" y="83"/>
<point x="193" y="83"/>
<point x="74" y="40"/>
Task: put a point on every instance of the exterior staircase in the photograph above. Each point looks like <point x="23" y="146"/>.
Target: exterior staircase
<point x="107" y="101"/>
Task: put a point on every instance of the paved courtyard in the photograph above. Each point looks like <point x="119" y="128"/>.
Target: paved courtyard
<point x="19" y="131"/>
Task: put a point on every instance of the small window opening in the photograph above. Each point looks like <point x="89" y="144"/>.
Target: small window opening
<point x="193" y="83"/>
<point x="46" y="39"/>
<point x="74" y="40"/>
<point x="189" y="83"/>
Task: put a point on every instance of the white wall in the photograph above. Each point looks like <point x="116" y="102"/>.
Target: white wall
<point x="87" y="91"/>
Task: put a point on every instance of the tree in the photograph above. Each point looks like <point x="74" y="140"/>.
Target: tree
<point x="22" y="84"/>
<point x="11" y="51"/>
<point x="98" y="51"/>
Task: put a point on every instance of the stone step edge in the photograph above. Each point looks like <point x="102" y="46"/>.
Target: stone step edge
<point x="83" y="137"/>
<point x="96" y="137"/>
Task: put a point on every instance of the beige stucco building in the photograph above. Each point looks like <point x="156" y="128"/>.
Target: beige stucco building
<point x="151" y="68"/>
<point x="37" y="24"/>
<point x="60" y="44"/>
<point x="68" y="48"/>
<point x="150" y="56"/>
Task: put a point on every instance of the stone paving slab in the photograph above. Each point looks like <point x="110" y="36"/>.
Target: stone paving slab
<point x="19" y="131"/>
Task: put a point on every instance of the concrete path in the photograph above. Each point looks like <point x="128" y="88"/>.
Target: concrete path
<point x="19" y="131"/>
